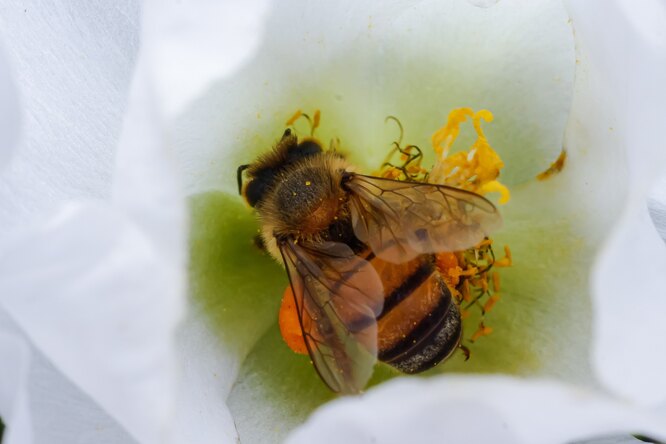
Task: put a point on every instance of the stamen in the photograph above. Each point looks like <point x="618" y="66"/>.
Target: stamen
<point x="481" y="331"/>
<point x="495" y="186"/>
<point x="476" y="169"/>
<point x="315" y="121"/>
<point x="496" y="281"/>
<point x="294" y="118"/>
<point x="490" y="303"/>
<point x="507" y="261"/>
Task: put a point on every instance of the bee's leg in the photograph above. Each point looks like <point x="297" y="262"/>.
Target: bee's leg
<point x="465" y="351"/>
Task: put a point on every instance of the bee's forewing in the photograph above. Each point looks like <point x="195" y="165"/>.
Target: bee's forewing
<point x="338" y="296"/>
<point x="400" y="220"/>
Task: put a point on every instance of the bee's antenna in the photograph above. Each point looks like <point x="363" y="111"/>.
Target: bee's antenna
<point x="239" y="174"/>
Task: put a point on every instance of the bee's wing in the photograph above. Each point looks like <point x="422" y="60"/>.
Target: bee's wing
<point x="338" y="296"/>
<point x="400" y="220"/>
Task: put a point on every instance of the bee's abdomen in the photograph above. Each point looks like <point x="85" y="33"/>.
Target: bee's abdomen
<point x="420" y="323"/>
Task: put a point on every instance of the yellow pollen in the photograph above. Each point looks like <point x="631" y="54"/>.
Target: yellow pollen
<point x="490" y="303"/>
<point x="507" y="260"/>
<point x="295" y="117"/>
<point x="308" y="183"/>
<point x="482" y="331"/>
<point x="315" y="119"/>
<point x="465" y="291"/>
<point x="496" y="282"/>
<point x="474" y="170"/>
<point x="484" y="282"/>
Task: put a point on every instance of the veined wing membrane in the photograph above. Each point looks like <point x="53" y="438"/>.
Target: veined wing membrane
<point x="338" y="296"/>
<point x="400" y="220"/>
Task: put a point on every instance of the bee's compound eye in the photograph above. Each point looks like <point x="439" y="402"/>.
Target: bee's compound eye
<point x="254" y="191"/>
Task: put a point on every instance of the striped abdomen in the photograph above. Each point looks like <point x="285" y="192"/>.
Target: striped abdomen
<point x="420" y="323"/>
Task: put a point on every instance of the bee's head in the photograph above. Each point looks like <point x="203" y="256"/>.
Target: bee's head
<point x="267" y="169"/>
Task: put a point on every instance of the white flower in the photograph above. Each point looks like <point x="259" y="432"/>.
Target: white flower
<point x="97" y="288"/>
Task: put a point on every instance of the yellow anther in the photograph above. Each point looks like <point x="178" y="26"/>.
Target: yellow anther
<point x="490" y="303"/>
<point x="481" y="331"/>
<point x="476" y="169"/>
<point x="471" y="271"/>
<point x="294" y="118"/>
<point x="484" y="282"/>
<point x="444" y="137"/>
<point x="496" y="282"/>
<point x="465" y="291"/>
<point x="391" y="173"/>
<point x="507" y="260"/>
<point x="495" y="187"/>
<point x="483" y="243"/>
<point x="315" y="120"/>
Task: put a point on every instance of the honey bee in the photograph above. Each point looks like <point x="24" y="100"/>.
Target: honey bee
<point x="359" y="252"/>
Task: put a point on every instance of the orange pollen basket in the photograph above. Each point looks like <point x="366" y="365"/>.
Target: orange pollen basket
<point x="290" y="328"/>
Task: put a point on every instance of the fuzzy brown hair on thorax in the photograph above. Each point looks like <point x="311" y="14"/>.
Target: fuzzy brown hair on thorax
<point x="307" y="199"/>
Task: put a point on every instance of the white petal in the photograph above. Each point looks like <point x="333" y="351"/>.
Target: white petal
<point x="474" y="410"/>
<point x="207" y="372"/>
<point x="9" y="112"/>
<point x="60" y="413"/>
<point x="112" y="277"/>
<point x="657" y="205"/>
<point x="147" y="187"/>
<point x="91" y="292"/>
<point x="629" y="356"/>
<point x="72" y="64"/>
<point x="196" y="43"/>
<point x="14" y="364"/>
<point x="146" y="181"/>
<point x="629" y="352"/>
<point x="361" y="61"/>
